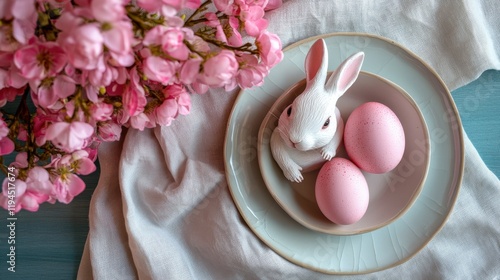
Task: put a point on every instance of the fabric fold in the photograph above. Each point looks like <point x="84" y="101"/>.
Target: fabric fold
<point x="107" y="250"/>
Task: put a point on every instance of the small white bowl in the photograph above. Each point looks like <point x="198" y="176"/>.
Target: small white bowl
<point x="391" y="193"/>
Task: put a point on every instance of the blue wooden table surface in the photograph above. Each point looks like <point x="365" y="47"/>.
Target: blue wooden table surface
<point x="49" y="243"/>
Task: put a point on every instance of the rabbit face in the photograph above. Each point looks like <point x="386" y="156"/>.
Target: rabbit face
<point x="308" y="123"/>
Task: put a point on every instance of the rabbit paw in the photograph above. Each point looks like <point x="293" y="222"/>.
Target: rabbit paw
<point x="292" y="173"/>
<point x="328" y="153"/>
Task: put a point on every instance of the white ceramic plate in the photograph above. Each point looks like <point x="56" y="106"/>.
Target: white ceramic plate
<point x="391" y="193"/>
<point x="374" y="250"/>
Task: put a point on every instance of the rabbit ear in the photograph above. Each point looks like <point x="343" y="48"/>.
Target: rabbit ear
<point x="345" y="75"/>
<point x="316" y="64"/>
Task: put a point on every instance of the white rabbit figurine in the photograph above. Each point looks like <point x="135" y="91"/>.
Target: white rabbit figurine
<point x="311" y="128"/>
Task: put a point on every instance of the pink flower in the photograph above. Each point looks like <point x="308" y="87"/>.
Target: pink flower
<point x="199" y="45"/>
<point x="17" y="192"/>
<point x="6" y="146"/>
<point x="228" y="32"/>
<point x="103" y="77"/>
<point x="167" y="7"/>
<point x="166" y="112"/>
<point x="184" y="103"/>
<point x="226" y="6"/>
<point x="213" y="21"/>
<point x="82" y="3"/>
<point x="15" y="79"/>
<point x="3" y="78"/>
<point x="150" y="5"/>
<point x="9" y="9"/>
<point x="40" y="60"/>
<point x="31" y="201"/>
<point x="251" y="73"/>
<point x="92" y="150"/>
<point x="254" y="23"/>
<point x="69" y="136"/>
<point x="23" y="134"/>
<point x="193" y="4"/>
<point x="62" y="87"/>
<point x="189" y="70"/>
<point x="273" y="4"/>
<point x="219" y="70"/>
<point x="25" y="198"/>
<point x="173" y="44"/>
<point x="130" y="99"/>
<point x="81" y="163"/>
<point x="154" y="35"/>
<point x="233" y="35"/>
<point x="6" y="59"/>
<point x="38" y="181"/>
<point x="133" y="96"/>
<point x="9" y="94"/>
<point x="199" y="88"/>
<point x="67" y="184"/>
<point x="41" y="122"/>
<point x="4" y="129"/>
<point x="101" y="111"/>
<point x="269" y="46"/>
<point x="115" y="89"/>
<point x="23" y="30"/>
<point x="180" y="95"/>
<point x="19" y="21"/>
<point x="55" y="3"/>
<point x="92" y="92"/>
<point x="109" y="131"/>
<point x="171" y="39"/>
<point x="77" y="162"/>
<point x="140" y="121"/>
<point x="159" y="69"/>
<point x="70" y="112"/>
<point x="97" y="78"/>
<point x="118" y="37"/>
<point x="122" y="76"/>
<point x="107" y="11"/>
<point x="177" y="4"/>
<point x="67" y="187"/>
<point x="175" y="22"/>
<point x="82" y="43"/>
<point x="172" y="91"/>
<point x="10" y="75"/>
<point x="21" y="160"/>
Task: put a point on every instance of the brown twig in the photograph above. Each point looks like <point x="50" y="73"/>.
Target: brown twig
<point x="190" y="20"/>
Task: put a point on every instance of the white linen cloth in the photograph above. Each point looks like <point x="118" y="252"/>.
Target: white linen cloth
<point x="162" y="208"/>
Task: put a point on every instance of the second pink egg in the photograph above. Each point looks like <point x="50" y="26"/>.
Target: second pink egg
<point x="374" y="138"/>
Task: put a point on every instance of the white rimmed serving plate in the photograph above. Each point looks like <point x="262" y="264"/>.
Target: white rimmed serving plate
<point x="367" y="252"/>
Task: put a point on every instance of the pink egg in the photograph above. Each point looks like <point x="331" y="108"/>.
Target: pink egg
<point x="374" y="138"/>
<point x="341" y="191"/>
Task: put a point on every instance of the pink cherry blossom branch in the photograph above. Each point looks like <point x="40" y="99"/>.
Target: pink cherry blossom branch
<point x="92" y="68"/>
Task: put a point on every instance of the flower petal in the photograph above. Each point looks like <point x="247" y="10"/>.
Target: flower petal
<point x="75" y="185"/>
<point x="6" y="146"/>
<point x="85" y="166"/>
